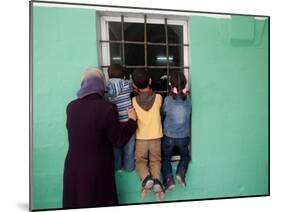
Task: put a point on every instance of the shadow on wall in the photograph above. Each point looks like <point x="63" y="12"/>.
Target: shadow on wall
<point x="242" y="31"/>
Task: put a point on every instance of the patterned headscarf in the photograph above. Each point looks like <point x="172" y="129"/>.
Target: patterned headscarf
<point x="93" y="81"/>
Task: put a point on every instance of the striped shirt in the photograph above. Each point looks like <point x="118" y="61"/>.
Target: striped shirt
<point x="119" y="91"/>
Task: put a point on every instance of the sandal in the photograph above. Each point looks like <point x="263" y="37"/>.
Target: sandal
<point x="157" y="186"/>
<point x="158" y="189"/>
<point x="147" y="183"/>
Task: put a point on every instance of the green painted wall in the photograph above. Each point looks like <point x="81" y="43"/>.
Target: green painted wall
<point x="64" y="45"/>
<point x="229" y="60"/>
<point x="229" y="93"/>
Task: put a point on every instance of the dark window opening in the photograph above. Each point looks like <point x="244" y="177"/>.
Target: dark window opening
<point x="158" y="48"/>
<point x="134" y="32"/>
<point x="134" y="55"/>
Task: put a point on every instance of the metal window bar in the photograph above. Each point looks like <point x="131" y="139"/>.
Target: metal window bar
<point x="144" y="43"/>
<point x="161" y="92"/>
<point x="123" y="43"/>
<point x="153" y="67"/>
<point x="167" y="52"/>
<point x="167" y="44"/>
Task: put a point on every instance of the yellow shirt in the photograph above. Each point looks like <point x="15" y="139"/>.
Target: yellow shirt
<point x="149" y="122"/>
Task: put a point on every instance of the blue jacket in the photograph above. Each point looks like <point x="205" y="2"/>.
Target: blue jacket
<point x="176" y="114"/>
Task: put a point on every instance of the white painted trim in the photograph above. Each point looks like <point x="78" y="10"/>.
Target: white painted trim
<point x="188" y="72"/>
<point x="186" y="51"/>
<point x="129" y="10"/>
<point x="159" y="20"/>
<point x="111" y="18"/>
<point x="148" y="11"/>
<point x="261" y="18"/>
<point x="177" y="22"/>
<point x="105" y="60"/>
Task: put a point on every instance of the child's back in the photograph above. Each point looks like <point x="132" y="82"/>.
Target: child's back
<point x="148" y="135"/>
<point x="119" y="91"/>
<point x="149" y="121"/>
<point x="177" y="117"/>
<point x="176" y="112"/>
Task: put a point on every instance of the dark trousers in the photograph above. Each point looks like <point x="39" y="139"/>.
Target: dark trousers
<point x="168" y="146"/>
<point x="125" y="158"/>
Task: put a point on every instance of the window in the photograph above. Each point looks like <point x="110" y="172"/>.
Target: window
<point x="159" y="45"/>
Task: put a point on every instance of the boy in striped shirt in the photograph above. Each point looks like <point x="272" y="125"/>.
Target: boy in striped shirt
<point x="119" y="91"/>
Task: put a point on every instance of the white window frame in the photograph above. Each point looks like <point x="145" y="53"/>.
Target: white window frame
<point x="104" y="35"/>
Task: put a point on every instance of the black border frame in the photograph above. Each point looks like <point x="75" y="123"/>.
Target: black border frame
<point x="140" y="8"/>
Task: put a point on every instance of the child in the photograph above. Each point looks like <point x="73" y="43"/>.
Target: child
<point x="148" y="134"/>
<point x="176" y="111"/>
<point x="119" y="91"/>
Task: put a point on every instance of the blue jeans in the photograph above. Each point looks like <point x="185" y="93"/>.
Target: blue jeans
<point x="125" y="158"/>
<point x="168" y="145"/>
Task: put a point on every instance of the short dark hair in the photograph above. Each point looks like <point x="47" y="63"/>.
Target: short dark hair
<point x="115" y="71"/>
<point x="140" y="78"/>
<point x="178" y="80"/>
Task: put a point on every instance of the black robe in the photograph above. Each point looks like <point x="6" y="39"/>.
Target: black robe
<point x="93" y="129"/>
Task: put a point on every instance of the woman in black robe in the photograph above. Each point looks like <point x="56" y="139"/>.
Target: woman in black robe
<point x="93" y="129"/>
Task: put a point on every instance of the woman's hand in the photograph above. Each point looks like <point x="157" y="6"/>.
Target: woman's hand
<point x="132" y="114"/>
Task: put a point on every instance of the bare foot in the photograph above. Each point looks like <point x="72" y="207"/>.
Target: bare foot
<point x="159" y="195"/>
<point x="145" y="193"/>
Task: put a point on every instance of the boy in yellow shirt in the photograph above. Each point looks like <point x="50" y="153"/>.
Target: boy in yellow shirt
<point x="147" y="105"/>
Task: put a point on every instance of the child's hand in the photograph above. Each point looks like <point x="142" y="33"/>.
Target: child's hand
<point x="132" y="114"/>
<point x="135" y="89"/>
